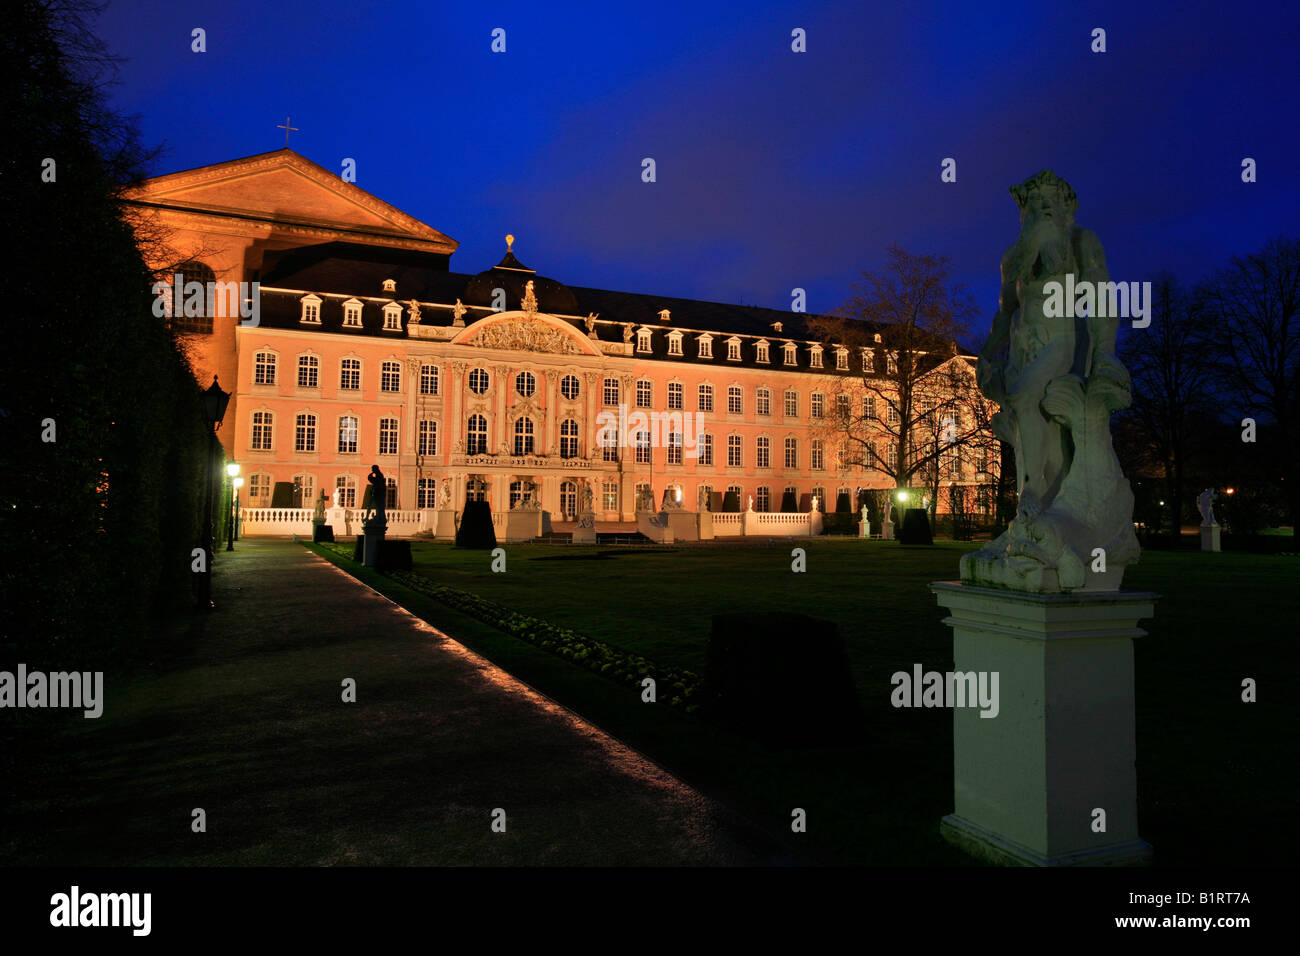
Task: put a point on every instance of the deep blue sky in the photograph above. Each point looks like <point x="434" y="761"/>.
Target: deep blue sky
<point x="775" y="169"/>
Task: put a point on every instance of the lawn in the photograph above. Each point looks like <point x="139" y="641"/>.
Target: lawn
<point x="1212" y="770"/>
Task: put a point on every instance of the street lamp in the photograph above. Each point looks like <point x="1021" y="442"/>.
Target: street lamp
<point x="214" y="402"/>
<point x="232" y="471"/>
<point x="238" y="483"/>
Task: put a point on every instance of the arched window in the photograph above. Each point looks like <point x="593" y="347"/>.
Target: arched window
<point x="390" y="377"/>
<point x="568" y="438"/>
<point x="308" y="371"/>
<point x="524" y="436"/>
<point x="304" y="491"/>
<point x="476" y="489"/>
<point x="195" y="314"/>
<point x="476" y="436"/>
<point x="388" y="436"/>
<point x="304" y="432"/>
<point x="643" y="340"/>
<point x="345" y="491"/>
<point x="348" y="435"/>
<point x="264" y="368"/>
<point x="262" y="438"/>
<point x="428" y="439"/>
<point x="259" y="490"/>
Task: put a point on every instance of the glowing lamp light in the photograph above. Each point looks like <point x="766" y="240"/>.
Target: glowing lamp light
<point x="1232" y="491"/>
<point x="238" y="482"/>
<point x="902" y="496"/>
<point x="232" y="469"/>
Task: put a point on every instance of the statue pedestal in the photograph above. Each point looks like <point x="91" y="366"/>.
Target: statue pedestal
<point x="887" y="531"/>
<point x="445" y="528"/>
<point x="1210" y="537"/>
<point x="1027" y="783"/>
<point x="864" y="529"/>
<point x="585" y="533"/>
<point x="374" y="541"/>
<point x="704" y="525"/>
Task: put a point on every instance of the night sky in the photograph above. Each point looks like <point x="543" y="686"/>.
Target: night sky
<point x="775" y="169"/>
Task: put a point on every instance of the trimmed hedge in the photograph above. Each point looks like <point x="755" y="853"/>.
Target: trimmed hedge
<point x="675" y="686"/>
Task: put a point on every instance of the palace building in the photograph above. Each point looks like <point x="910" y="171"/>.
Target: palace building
<point x="365" y="348"/>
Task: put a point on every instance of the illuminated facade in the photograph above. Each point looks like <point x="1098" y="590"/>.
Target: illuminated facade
<point x="366" y="349"/>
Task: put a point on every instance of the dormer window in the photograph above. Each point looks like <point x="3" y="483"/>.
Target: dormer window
<point x="868" y="360"/>
<point x="392" y="317"/>
<point x="643" y="340"/>
<point x="706" y="346"/>
<point x="352" y="314"/>
<point x="390" y="285"/>
<point x="815" y="357"/>
<point x="842" y="360"/>
<point x="665" y="315"/>
<point x="674" y="343"/>
<point x="791" y="356"/>
<point x="733" y="349"/>
<point x="761" y="352"/>
<point x="310" y="310"/>
<point x="776" y="326"/>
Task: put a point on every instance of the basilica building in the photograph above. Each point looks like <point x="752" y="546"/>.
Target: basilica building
<point x="359" y="345"/>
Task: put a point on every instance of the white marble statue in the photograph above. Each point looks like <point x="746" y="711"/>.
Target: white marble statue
<point x="444" y="496"/>
<point x="750" y="505"/>
<point x="816" y="503"/>
<point x="702" y="499"/>
<point x="1057" y="381"/>
<point x="1205" y="502"/>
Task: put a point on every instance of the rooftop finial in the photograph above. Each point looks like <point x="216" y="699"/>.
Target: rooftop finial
<point x="510" y="241"/>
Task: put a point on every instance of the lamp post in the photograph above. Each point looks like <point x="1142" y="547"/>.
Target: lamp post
<point x="214" y="402"/>
<point x="232" y="472"/>
<point x="238" y="483"/>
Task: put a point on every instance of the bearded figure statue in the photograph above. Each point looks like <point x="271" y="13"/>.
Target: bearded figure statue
<point x="1057" y="380"/>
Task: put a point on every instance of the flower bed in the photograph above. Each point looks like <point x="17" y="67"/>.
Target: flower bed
<point x="676" y="686"/>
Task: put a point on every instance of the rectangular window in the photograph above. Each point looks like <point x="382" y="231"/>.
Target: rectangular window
<point x="761" y="352"/>
<point x="304" y="438"/>
<point x="642" y="443"/>
<point x="611" y="391"/>
<point x="609" y="495"/>
<point x="869" y="407"/>
<point x="763" y="453"/>
<point x="842" y="360"/>
<point x="428" y="380"/>
<point x="735" y="403"/>
<point x="818" y="404"/>
<point x="674" y="345"/>
<point x="706" y="398"/>
<point x="643" y="394"/>
<point x="792" y="453"/>
<point x="345" y="488"/>
<point x="733" y="451"/>
<point x="763" y="402"/>
<point x="610" y="450"/>
<point x="675" y="448"/>
<point x="428" y="444"/>
<point x="790" y="355"/>
<point x="388" y="436"/>
<point x="706" y="449"/>
<point x="818" y="454"/>
<point x="262" y="438"/>
<point x="674" y="395"/>
<point x="347" y="435"/>
<point x="791" y="404"/>
<point x="733" y="351"/>
<point x="893" y="415"/>
<point x="815" y="359"/>
<point x="392" y="320"/>
<point x="763" y="500"/>
<point x="842" y="407"/>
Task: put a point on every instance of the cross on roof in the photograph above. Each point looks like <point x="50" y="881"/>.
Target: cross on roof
<point x="286" y="127"/>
